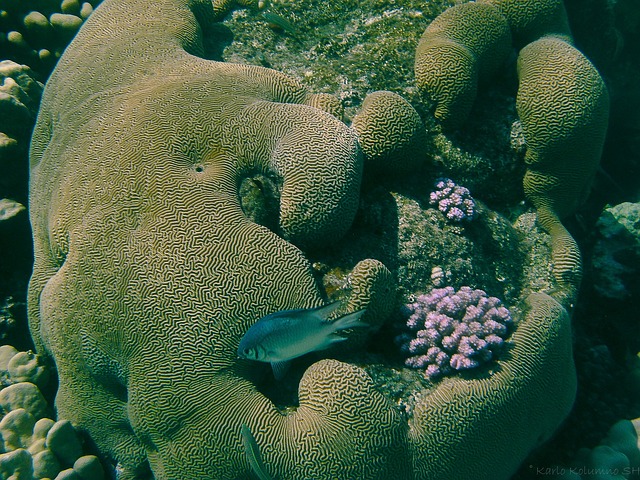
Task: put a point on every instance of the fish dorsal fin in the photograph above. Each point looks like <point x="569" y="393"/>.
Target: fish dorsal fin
<point x="280" y="369"/>
<point x="252" y="452"/>
<point x="325" y="311"/>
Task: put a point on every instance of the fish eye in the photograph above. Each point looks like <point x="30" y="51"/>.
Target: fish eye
<point x="248" y="353"/>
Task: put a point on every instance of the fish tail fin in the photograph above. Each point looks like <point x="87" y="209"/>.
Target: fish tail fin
<point x="350" y="320"/>
<point x="325" y="311"/>
<point x="252" y="452"/>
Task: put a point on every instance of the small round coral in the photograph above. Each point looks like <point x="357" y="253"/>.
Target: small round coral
<point x="453" y="200"/>
<point x="449" y="331"/>
<point x="390" y="133"/>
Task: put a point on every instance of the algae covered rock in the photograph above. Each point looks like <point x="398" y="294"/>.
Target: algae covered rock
<point x="616" y="256"/>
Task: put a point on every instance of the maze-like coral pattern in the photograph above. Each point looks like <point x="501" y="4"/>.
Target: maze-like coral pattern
<point x="498" y="402"/>
<point x="390" y="132"/>
<point x="563" y="105"/>
<point x="148" y="271"/>
<point x="564" y="143"/>
<point x="532" y="19"/>
<point x="463" y="46"/>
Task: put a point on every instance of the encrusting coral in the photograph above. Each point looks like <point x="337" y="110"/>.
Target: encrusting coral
<point x="36" y="33"/>
<point x="148" y="272"/>
<point x="33" y="446"/>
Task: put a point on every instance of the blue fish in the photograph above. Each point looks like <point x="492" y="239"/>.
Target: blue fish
<point x="252" y="452"/>
<point x="282" y="336"/>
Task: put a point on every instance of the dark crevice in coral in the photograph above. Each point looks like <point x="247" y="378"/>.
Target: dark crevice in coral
<point x="260" y="200"/>
<point x="217" y="38"/>
<point x="16" y="262"/>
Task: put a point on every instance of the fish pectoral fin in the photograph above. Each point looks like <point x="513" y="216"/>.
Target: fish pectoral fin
<point x="280" y="369"/>
<point x="350" y="320"/>
<point x="252" y="452"/>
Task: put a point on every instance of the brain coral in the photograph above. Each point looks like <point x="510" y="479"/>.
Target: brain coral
<point x="139" y="231"/>
<point x="564" y="143"/>
<point x="545" y="323"/>
<point x="464" y="45"/>
<point x="563" y="105"/>
<point x="148" y="272"/>
<point x="532" y="19"/>
<point x="390" y="133"/>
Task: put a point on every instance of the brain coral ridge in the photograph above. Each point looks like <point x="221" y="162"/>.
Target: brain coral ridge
<point x="532" y="19"/>
<point x="497" y="409"/>
<point x="148" y="272"/>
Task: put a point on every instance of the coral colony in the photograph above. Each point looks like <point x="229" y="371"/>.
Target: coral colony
<point x="449" y="331"/>
<point x="453" y="200"/>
